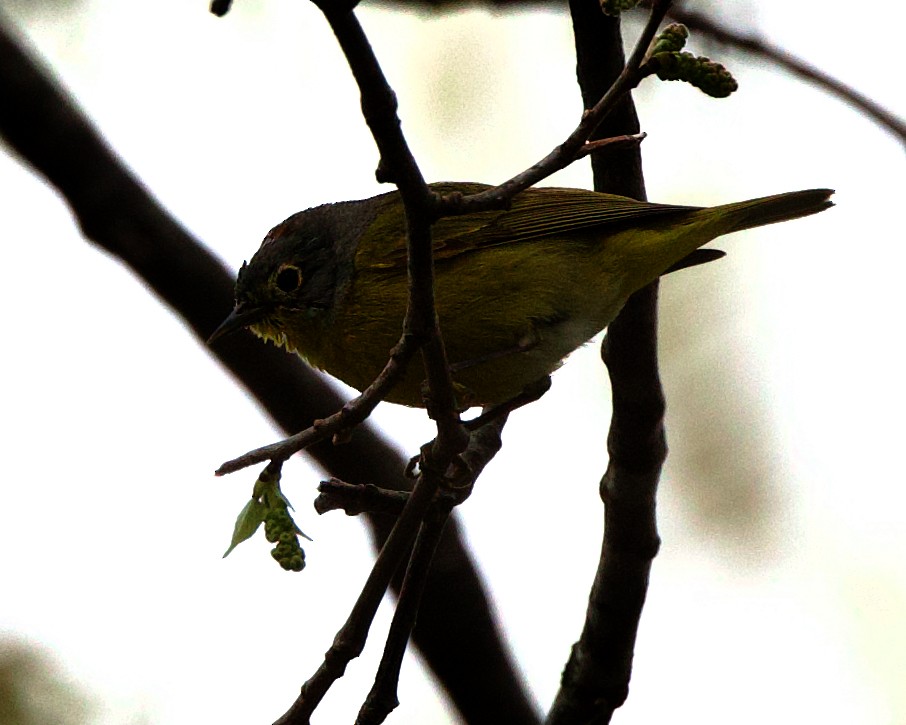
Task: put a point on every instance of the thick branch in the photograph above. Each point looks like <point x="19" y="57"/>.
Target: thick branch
<point x="596" y="678"/>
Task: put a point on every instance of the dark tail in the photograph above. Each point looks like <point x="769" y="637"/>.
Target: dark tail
<point x="777" y="208"/>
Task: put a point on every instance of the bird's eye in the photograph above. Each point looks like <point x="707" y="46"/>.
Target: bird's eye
<point x="288" y="279"/>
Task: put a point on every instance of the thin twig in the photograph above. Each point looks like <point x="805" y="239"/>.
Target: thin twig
<point x="758" y="46"/>
<point x="350" y="640"/>
<point x="383" y="698"/>
<point x="484" y="444"/>
<point x="358" y="498"/>
<point x="610" y="144"/>
<point x="350" y="415"/>
<point x="570" y="149"/>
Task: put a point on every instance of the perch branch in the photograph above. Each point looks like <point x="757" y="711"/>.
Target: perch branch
<point x="350" y="640"/>
<point x="484" y="444"/>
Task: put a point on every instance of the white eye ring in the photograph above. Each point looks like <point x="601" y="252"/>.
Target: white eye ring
<point x="288" y="278"/>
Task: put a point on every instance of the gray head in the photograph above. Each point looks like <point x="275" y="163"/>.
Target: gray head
<point x="303" y="266"/>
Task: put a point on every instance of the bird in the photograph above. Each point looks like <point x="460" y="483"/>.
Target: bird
<point x="516" y="289"/>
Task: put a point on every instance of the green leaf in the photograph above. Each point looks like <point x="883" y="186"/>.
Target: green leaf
<point x="247" y="523"/>
<point x="275" y="498"/>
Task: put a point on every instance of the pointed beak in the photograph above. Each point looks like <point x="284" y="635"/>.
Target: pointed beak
<point x="242" y="316"/>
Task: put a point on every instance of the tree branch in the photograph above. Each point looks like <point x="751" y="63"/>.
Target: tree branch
<point x="484" y="444"/>
<point x="350" y="640"/>
<point x="751" y="43"/>
<point x="596" y="679"/>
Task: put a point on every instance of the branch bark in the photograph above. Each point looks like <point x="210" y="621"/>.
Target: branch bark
<point x="596" y="679"/>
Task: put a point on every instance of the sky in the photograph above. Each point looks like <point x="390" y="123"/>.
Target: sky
<point x="780" y="590"/>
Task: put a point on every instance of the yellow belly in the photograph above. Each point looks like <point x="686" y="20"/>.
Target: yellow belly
<point x="508" y="316"/>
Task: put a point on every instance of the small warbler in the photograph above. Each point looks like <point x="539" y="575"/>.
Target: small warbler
<point x="517" y="290"/>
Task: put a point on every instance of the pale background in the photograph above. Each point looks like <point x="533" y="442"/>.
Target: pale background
<point x="780" y="591"/>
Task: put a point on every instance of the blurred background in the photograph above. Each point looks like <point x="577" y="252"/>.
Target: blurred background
<point x="780" y="590"/>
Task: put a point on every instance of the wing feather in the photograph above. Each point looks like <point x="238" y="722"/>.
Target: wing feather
<point x="535" y="213"/>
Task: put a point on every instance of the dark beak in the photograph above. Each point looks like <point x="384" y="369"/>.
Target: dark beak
<point x="242" y="316"/>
